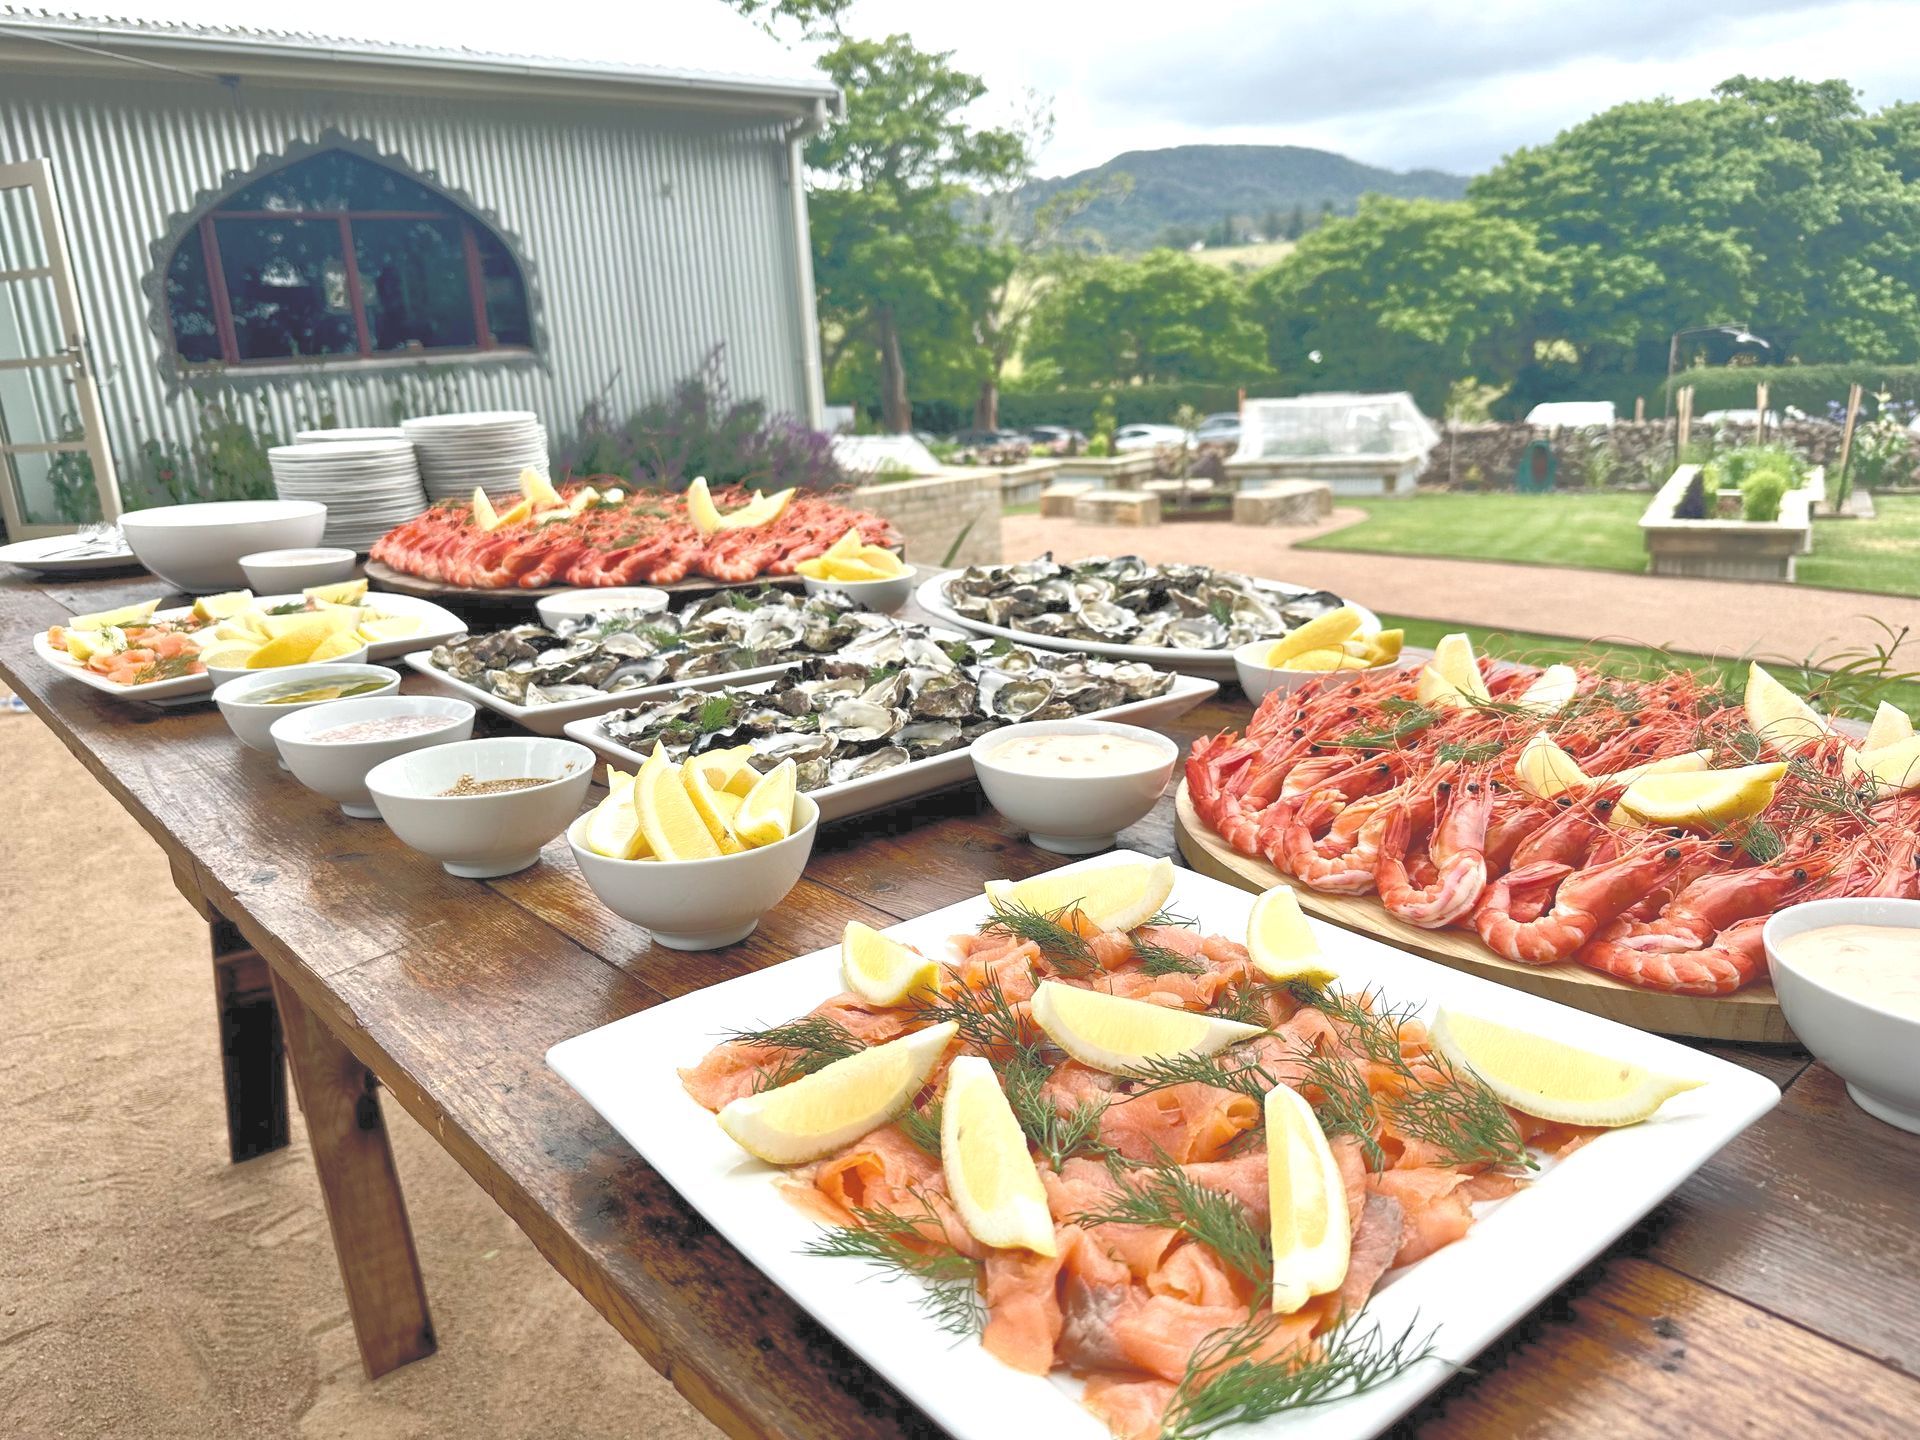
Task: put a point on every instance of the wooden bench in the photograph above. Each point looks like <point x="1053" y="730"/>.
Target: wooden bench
<point x="1283" y="502"/>
<point x="1056" y="501"/>
<point x="1117" y="507"/>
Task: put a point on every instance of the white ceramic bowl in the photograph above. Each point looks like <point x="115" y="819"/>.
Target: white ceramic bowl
<point x="222" y="674"/>
<point x="1871" y="1048"/>
<point x="338" y="769"/>
<point x="286" y="572"/>
<point x="252" y="721"/>
<point x="884" y="596"/>
<point x="1074" y="814"/>
<point x="197" y="548"/>
<point x="1258" y="680"/>
<point x="700" y="904"/>
<point x="478" y="836"/>
<point x="592" y="600"/>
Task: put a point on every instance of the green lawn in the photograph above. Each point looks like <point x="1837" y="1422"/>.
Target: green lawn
<point x="1601" y="532"/>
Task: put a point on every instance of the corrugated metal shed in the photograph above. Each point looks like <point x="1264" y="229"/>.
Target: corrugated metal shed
<point x="654" y="209"/>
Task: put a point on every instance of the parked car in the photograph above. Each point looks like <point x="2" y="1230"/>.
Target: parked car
<point x="1129" y="438"/>
<point x="976" y="439"/>
<point x="1221" y="429"/>
<point x="1057" y="439"/>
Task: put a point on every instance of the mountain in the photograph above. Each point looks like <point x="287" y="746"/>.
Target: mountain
<point x="1189" y="189"/>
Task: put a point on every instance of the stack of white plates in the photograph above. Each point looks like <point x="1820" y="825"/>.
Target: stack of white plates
<point x="371" y="432"/>
<point x="484" y="448"/>
<point x="368" y="486"/>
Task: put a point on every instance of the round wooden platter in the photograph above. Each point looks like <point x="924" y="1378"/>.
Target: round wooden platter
<point x="512" y="596"/>
<point x="1751" y="1016"/>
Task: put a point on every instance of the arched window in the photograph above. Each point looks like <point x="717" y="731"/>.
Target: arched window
<point x="340" y="257"/>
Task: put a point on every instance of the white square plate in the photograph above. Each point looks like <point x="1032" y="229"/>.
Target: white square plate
<point x="1519" y="1250"/>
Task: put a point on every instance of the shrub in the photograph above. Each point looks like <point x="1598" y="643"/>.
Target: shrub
<point x="226" y="459"/>
<point x="1731" y="469"/>
<point x="1761" y="492"/>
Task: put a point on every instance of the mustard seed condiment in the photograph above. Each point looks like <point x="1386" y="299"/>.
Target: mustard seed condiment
<point x="467" y="785"/>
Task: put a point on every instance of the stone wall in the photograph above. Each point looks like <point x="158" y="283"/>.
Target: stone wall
<point x="931" y="513"/>
<point x="1633" y="452"/>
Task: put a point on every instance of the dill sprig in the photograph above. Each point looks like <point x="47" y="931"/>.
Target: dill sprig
<point x="988" y="1022"/>
<point x="1228" y="1382"/>
<point x="914" y="1246"/>
<point x="1452" y="752"/>
<point x="1460" y="1117"/>
<point x="1166" y="1197"/>
<point x="814" y="1042"/>
<point x="1410" y="717"/>
<point x="1059" y="944"/>
<point x="1058" y="1134"/>
<point x="1158" y="959"/>
<point x="922" y="1127"/>
<point x="1346" y="1104"/>
<point x="1171" y="918"/>
<point x="1242" y="1002"/>
<point x="1224" y="1070"/>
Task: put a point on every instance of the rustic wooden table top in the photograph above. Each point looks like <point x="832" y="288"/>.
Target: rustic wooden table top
<point x="1778" y="1292"/>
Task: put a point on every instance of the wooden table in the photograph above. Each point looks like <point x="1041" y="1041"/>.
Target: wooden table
<point x="1777" y="1293"/>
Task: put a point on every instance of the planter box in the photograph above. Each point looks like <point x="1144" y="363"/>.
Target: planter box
<point x="932" y="513"/>
<point x="1024" y="484"/>
<point x="1729" y="549"/>
<point x="1346" y="474"/>
<point x="1109" y="472"/>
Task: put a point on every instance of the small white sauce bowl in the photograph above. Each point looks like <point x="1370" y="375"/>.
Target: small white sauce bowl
<point x="881" y="596"/>
<point x="1073" y="814"/>
<point x="700" y="904"/>
<point x="252" y="722"/>
<point x="223" y="675"/>
<point x="338" y="769"/>
<point x="1258" y="679"/>
<point x="479" y="836"/>
<point x="1874" y="1050"/>
<point x="283" y="572"/>
<point x="600" y="600"/>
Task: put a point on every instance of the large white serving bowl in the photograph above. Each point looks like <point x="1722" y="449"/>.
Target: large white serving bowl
<point x="1871" y="1048"/>
<point x="884" y="596"/>
<point x="252" y="722"/>
<point x="222" y="674"/>
<point x="1258" y="679"/>
<point x="197" y="548"/>
<point x="280" y="572"/>
<point x="600" y="600"/>
<point x="700" y="904"/>
<point x="479" y="836"/>
<point x="338" y="769"/>
<point x="1073" y="814"/>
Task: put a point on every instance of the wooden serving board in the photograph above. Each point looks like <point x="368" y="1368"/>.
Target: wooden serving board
<point x="513" y="597"/>
<point x="1751" y="1016"/>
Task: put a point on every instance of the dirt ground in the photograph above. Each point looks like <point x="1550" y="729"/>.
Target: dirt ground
<point x="150" y="1289"/>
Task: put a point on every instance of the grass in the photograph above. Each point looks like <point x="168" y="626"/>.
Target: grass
<point x="1600" y="531"/>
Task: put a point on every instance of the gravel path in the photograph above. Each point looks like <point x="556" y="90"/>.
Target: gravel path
<point x="147" y="1287"/>
<point x="1708" y="617"/>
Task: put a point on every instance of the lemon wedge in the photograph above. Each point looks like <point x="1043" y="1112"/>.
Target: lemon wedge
<point x="126" y="615"/>
<point x="819" y="1113"/>
<point x="700" y="507"/>
<point x="332" y="647"/>
<point x="1552" y="692"/>
<point x="1890" y="726"/>
<point x="761" y="510"/>
<point x="1892" y="768"/>
<point x="390" y="627"/>
<point x="1310" y="1228"/>
<point x="320" y="622"/>
<point x="1109" y="897"/>
<point x="484" y="514"/>
<point x="1779" y="716"/>
<point x="850" y="568"/>
<point x="1327" y="659"/>
<point x="881" y="970"/>
<point x="706" y="803"/>
<point x="232" y="656"/>
<point x="990" y="1172"/>
<point x="1281" y="942"/>
<point x="1706" y="798"/>
<point x="727" y="769"/>
<point x="1452" y="678"/>
<point x="673" y="828"/>
<point x="1543" y="769"/>
<point x="581" y="499"/>
<point x="1550" y="1078"/>
<point x="219" y="607"/>
<point x="1119" y="1036"/>
<point x="343" y="592"/>
<point x="1692" y="760"/>
<point x="613" y="830"/>
<point x="766" y="814"/>
<point x="847" y="544"/>
<point x="1322" y="632"/>
<point x="81" y="644"/>
<point x="296" y="647"/>
<point x="537" y="490"/>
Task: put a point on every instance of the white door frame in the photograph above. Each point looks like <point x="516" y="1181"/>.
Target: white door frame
<point x="37" y="176"/>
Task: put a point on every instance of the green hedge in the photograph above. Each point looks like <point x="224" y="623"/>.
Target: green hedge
<point x="1805" y="387"/>
<point x="1132" y="404"/>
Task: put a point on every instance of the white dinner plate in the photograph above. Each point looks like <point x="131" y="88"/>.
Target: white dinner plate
<point x="47" y="556"/>
<point x="1212" y="664"/>
<point x="920" y="777"/>
<point x="1467" y="1294"/>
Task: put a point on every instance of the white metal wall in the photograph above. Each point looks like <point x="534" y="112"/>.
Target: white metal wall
<point x="649" y="235"/>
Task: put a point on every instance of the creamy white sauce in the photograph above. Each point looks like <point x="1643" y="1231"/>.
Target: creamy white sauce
<point x="1075" y="755"/>
<point x="1877" y="964"/>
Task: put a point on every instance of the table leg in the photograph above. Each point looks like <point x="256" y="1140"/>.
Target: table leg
<point x="365" y="1210"/>
<point x="252" y="1055"/>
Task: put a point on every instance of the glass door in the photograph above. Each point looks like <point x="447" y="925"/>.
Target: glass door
<point x="56" y="471"/>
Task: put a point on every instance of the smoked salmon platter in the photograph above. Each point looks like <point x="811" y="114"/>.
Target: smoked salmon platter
<point x="1141" y="1296"/>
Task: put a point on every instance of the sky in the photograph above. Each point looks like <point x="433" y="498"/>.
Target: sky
<point x="1398" y="83"/>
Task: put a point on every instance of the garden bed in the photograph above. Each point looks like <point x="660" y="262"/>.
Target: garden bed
<point x="1728" y="549"/>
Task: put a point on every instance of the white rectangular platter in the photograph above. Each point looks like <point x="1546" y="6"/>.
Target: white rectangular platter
<point x="1519" y="1250"/>
<point x="922" y="777"/>
<point x="552" y="719"/>
<point x="437" y="624"/>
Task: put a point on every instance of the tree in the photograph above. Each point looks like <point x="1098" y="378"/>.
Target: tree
<point x="1403" y="295"/>
<point x="1164" y="316"/>
<point x="1296" y="225"/>
<point x="902" y="263"/>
